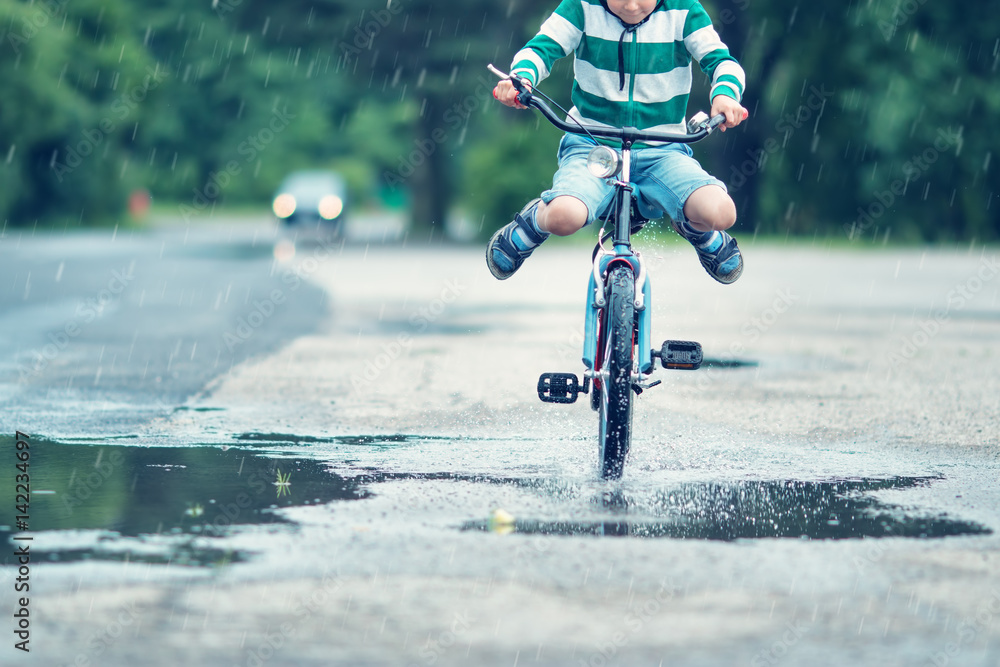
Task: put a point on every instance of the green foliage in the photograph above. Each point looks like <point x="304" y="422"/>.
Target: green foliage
<point x="241" y="109"/>
<point x="867" y="119"/>
<point x="886" y="155"/>
<point x="499" y="177"/>
<point x="69" y="107"/>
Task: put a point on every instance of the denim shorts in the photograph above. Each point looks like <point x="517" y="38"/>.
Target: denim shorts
<point x="665" y="176"/>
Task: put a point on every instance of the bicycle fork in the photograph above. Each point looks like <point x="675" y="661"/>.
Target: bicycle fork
<point x="673" y="354"/>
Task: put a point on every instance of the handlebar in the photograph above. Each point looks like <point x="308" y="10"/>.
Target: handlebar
<point x="624" y="134"/>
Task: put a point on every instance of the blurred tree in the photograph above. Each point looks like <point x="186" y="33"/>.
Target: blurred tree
<point x="513" y="158"/>
<point x="860" y="133"/>
<point x="942" y="86"/>
<point x="860" y="113"/>
<point x="72" y="79"/>
<point x="433" y="55"/>
<point x="242" y="106"/>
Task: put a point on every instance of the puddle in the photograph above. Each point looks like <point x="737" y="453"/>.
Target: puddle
<point x="825" y="510"/>
<point x="123" y="502"/>
<point x="159" y="504"/>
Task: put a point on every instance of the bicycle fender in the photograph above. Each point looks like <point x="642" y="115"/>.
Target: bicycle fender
<point x="590" y="327"/>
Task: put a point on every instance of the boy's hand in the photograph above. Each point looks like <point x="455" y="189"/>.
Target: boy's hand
<point x="506" y="94"/>
<point x="734" y="112"/>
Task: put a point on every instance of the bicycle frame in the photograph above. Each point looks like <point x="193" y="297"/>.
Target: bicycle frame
<point x="622" y="253"/>
<point x="618" y="316"/>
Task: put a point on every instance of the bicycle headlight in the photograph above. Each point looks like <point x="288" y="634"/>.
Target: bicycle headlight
<point x="603" y="162"/>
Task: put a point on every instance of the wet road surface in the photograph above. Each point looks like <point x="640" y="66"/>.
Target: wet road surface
<point x="109" y="328"/>
<point x="362" y="474"/>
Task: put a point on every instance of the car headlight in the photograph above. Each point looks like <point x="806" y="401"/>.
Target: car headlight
<point x="603" y="162"/>
<point x="330" y="207"/>
<point x="284" y="205"/>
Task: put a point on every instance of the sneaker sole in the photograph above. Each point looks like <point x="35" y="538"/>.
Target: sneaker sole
<point x="730" y="277"/>
<point x="497" y="272"/>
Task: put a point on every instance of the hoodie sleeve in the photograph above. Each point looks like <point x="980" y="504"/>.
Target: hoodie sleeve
<point x="712" y="55"/>
<point x="559" y="36"/>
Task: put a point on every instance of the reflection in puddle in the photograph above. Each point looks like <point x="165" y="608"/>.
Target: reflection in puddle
<point x="158" y="504"/>
<point x="144" y="549"/>
<point x="839" y="509"/>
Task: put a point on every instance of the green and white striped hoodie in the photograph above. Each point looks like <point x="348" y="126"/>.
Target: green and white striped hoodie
<point x="640" y="77"/>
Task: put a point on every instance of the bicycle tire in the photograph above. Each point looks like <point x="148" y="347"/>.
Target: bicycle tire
<point x="615" y="430"/>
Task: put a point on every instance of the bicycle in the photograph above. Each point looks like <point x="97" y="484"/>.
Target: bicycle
<point x="617" y="356"/>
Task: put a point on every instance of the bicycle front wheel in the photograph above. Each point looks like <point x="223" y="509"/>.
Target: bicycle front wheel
<point x="618" y="360"/>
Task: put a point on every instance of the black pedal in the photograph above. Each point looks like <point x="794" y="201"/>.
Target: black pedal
<point x="682" y="355"/>
<point x="561" y="387"/>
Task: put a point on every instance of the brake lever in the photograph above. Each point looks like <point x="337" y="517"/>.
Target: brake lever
<point x="521" y="85"/>
<point x="524" y="95"/>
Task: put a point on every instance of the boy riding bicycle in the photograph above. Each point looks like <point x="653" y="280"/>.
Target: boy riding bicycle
<point x="632" y="68"/>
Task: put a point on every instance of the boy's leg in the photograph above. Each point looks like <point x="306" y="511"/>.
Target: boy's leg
<point x="710" y="208"/>
<point x="673" y="181"/>
<point x="708" y="212"/>
<point x="562" y="210"/>
<point x="562" y="216"/>
<point x="512" y="244"/>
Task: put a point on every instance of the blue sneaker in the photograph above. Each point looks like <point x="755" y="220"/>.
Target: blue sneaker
<point x="717" y="251"/>
<point x="514" y="242"/>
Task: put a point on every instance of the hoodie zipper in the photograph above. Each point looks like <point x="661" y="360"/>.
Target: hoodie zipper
<point x="630" y="116"/>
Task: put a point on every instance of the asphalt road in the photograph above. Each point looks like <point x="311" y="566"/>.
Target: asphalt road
<point x="102" y="331"/>
<point x="361" y="474"/>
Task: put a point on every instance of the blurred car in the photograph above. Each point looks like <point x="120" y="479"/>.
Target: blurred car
<point x="311" y="203"/>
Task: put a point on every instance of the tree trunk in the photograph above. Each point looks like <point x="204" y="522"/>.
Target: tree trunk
<point x="430" y="184"/>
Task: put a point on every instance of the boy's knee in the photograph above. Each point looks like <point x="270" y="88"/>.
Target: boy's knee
<point x="711" y="208"/>
<point x="725" y="214"/>
<point x="563" y="216"/>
